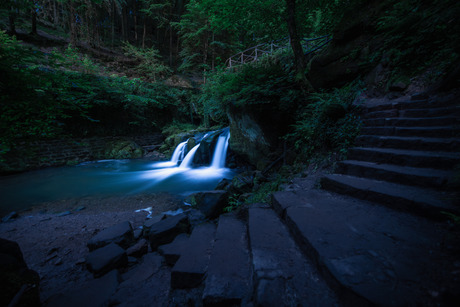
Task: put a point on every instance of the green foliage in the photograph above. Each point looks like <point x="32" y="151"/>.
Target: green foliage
<point x="420" y="34"/>
<point x="149" y="61"/>
<point x="328" y="123"/>
<point x="271" y="80"/>
<point x="51" y="95"/>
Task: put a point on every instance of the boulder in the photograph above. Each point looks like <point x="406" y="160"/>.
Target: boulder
<point x="122" y="149"/>
<point x="19" y="285"/>
<point x="256" y="131"/>
<point x="210" y="203"/>
<point x="121" y="234"/>
<point x="166" y="230"/>
<point x="105" y="259"/>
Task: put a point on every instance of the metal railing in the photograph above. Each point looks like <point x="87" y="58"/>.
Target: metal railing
<point x="253" y="54"/>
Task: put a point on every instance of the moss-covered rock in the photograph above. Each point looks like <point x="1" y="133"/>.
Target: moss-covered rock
<point x="122" y="149"/>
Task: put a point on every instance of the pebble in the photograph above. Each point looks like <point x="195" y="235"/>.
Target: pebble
<point x="64" y="213"/>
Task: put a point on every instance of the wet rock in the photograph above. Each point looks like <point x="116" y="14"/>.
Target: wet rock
<point x="211" y="203"/>
<point x="121" y="234"/>
<point x="139" y="249"/>
<point x="223" y="184"/>
<point x="96" y="292"/>
<point x="106" y="259"/>
<point x="166" y="230"/>
<point x="123" y="149"/>
<point x="9" y="217"/>
<point x="172" y="251"/>
<point x="137" y="233"/>
<point x="243" y="183"/>
<point x="150" y="222"/>
<point x="18" y="283"/>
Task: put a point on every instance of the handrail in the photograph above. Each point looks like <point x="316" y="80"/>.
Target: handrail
<point x="254" y="53"/>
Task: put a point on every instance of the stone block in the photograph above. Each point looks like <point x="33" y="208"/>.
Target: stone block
<point x="106" y="259"/>
<point x="166" y="230"/>
<point x="121" y="234"/>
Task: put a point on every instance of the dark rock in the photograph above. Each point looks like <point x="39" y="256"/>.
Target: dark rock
<point x="106" y="259"/>
<point x="190" y="269"/>
<point x="172" y="251"/>
<point x="195" y="217"/>
<point x="64" y="213"/>
<point x="242" y="183"/>
<point x="18" y="284"/>
<point x="139" y="249"/>
<point x="399" y="86"/>
<point x="137" y="233"/>
<point x="211" y="203"/>
<point x="228" y="280"/>
<point x="150" y="264"/>
<point x="150" y="222"/>
<point x="123" y="149"/>
<point x="81" y="208"/>
<point x="256" y="130"/>
<point x="166" y="230"/>
<point x="9" y="217"/>
<point x="121" y="234"/>
<point x="95" y="293"/>
<point x="223" y="184"/>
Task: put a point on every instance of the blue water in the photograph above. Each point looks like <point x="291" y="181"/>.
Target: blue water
<point x="104" y="178"/>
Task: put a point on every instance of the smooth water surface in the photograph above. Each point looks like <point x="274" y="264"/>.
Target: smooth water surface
<point x="105" y="178"/>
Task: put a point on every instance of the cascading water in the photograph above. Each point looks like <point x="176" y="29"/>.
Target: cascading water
<point x="220" y="153"/>
<point x="188" y="160"/>
<point x="178" y="154"/>
<point x="121" y="177"/>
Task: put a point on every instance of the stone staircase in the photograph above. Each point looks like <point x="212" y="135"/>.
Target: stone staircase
<point x="244" y="261"/>
<point x="377" y="228"/>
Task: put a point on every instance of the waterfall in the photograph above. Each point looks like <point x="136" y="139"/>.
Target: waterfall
<point x="220" y="153"/>
<point x="179" y="153"/>
<point x="187" y="162"/>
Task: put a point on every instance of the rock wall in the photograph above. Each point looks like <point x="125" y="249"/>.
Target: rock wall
<point x="37" y="154"/>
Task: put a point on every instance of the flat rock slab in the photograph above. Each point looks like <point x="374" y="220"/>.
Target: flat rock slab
<point x="121" y="234"/>
<point x="172" y="251"/>
<point x="139" y="249"/>
<point x="386" y="257"/>
<point x="190" y="269"/>
<point x="95" y="293"/>
<point x="105" y="259"/>
<point x="166" y="230"/>
<point x="283" y="275"/>
<point x="229" y="279"/>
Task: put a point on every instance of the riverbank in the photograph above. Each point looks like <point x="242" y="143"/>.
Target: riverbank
<point x="53" y="236"/>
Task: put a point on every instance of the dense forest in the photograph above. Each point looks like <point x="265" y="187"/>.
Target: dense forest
<point x="118" y="67"/>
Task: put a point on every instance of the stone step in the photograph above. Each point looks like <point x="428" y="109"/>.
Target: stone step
<point x="415" y="113"/>
<point x="413" y="143"/>
<point x="412" y="122"/>
<point x="372" y="254"/>
<point x="190" y="269"/>
<point x="282" y="273"/>
<point x="437" y="132"/>
<point x="229" y="277"/>
<point x="416" y="104"/>
<point x="419" y="201"/>
<point x="412" y="158"/>
<point x="425" y="177"/>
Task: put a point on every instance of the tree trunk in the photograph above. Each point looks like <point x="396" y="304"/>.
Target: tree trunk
<point x="296" y="46"/>
<point x="34" y="21"/>
<point x="72" y="24"/>
<point x="55" y="14"/>
<point x="12" y="20"/>
<point x="144" y="33"/>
